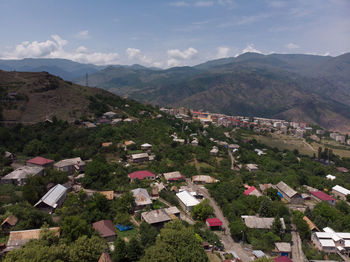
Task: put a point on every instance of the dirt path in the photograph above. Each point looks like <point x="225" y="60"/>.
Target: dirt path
<point x="297" y="251"/>
<point x="226" y="238"/>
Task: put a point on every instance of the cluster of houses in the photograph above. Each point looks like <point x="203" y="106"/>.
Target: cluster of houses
<point x="141" y="156"/>
<point x="110" y="118"/>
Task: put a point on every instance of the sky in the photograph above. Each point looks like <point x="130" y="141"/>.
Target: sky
<point x="162" y="33"/>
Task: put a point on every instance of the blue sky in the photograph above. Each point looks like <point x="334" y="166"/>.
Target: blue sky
<point x="170" y="33"/>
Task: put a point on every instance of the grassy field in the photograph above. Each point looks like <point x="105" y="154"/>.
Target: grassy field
<point x="287" y="142"/>
<point x="127" y="235"/>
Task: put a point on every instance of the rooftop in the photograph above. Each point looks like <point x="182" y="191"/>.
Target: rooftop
<point x="322" y="195"/>
<point x="176" y="175"/>
<point x="40" y="161"/>
<point x="11" y="220"/>
<point x="260" y="222"/>
<point x="286" y="189"/>
<point x="156" y="216"/>
<point x="105" y="228"/>
<point x="53" y="196"/>
<point x="71" y="161"/>
<point x="205" y="179"/>
<point x="143" y="174"/>
<point x="23" y="172"/>
<point x="187" y="199"/>
<point x="341" y="189"/>
<point x="141" y="197"/>
<point x="141" y="155"/>
<point x="214" y="222"/>
<point x="283" y="247"/>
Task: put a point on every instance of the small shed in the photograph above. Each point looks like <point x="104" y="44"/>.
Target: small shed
<point x="9" y="223"/>
<point x="214" y="223"/>
<point x="106" y="229"/>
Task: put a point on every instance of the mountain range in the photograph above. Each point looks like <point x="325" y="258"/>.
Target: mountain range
<point x="294" y="87"/>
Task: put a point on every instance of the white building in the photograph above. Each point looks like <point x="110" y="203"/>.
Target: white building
<point x="330" y="241"/>
<point x="340" y="192"/>
<point x="187" y="200"/>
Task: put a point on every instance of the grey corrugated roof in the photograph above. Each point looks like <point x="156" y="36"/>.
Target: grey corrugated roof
<point x="286" y="189"/>
<point x="259" y="253"/>
<point x="156" y="216"/>
<point x="23" y="172"/>
<point x="53" y="196"/>
<point x="261" y="222"/>
<point x="141" y="197"/>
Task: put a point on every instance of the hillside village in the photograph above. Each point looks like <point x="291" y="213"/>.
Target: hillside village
<point x="117" y="186"/>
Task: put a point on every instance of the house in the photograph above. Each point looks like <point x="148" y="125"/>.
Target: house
<point x="173" y="212"/>
<point x="311" y="225"/>
<point x="40" y="161"/>
<point x="9" y="223"/>
<point x="320" y="196"/>
<point x="156" y="188"/>
<point x="340" y="192"/>
<point x="179" y="140"/>
<point x="264" y="187"/>
<point x="110" y="114"/>
<point x="283" y="249"/>
<point x="342" y="169"/>
<point x="139" y="158"/>
<point x="53" y="199"/>
<point x="187" y="200"/>
<point x="9" y="155"/>
<point x="214" y="223"/>
<point x="70" y="165"/>
<point x="330" y="177"/>
<point x="142" y="198"/>
<point x="330" y="241"/>
<point x="288" y="193"/>
<point x="203" y="179"/>
<point x="105" y="257"/>
<point x="261" y="222"/>
<point x="108" y="194"/>
<point x="252" y="191"/>
<point x="107" y="144"/>
<point x="252" y="167"/>
<point x="141" y="175"/>
<point x="146" y="146"/>
<point x="259" y="254"/>
<point x="214" y="151"/>
<point x="174" y="176"/>
<point x="18" y="239"/>
<point x="89" y="125"/>
<point x="19" y="176"/>
<point x="116" y="121"/>
<point x="106" y="229"/>
<point x="128" y="143"/>
<point x="194" y="142"/>
<point x="156" y="217"/>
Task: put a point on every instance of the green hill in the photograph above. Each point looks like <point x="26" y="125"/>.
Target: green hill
<point x="296" y="87"/>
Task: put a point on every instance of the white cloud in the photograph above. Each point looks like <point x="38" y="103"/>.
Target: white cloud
<point x="249" y="49"/>
<point x="177" y="57"/>
<point x="223" y="52"/>
<point x="132" y="52"/>
<point x="204" y="3"/>
<point x="227" y="3"/>
<point x="179" y="4"/>
<point x="136" y="54"/>
<point x="83" y="34"/>
<point x="54" y="48"/>
<point x="292" y="46"/>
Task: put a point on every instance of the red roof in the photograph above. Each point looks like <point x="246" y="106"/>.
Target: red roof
<point x="214" y="222"/>
<point x="342" y="169"/>
<point x="41" y="161"/>
<point x="105" y="228"/>
<point x="249" y="190"/>
<point x="141" y="174"/>
<point x="282" y="259"/>
<point x="322" y="195"/>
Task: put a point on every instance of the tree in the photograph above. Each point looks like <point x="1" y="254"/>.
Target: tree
<point x="148" y="234"/>
<point x="202" y="211"/>
<point x="134" y="249"/>
<point x="119" y="254"/>
<point x="74" y="227"/>
<point x="265" y="209"/>
<point x="176" y="243"/>
<point x="277" y="226"/>
<point x="87" y="249"/>
<point x="237" y="229"/>
<point x="272" y="193"/>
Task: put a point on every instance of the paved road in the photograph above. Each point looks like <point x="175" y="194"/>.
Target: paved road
<point x="227" y="240"/>
<point x="297" y="251"/>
